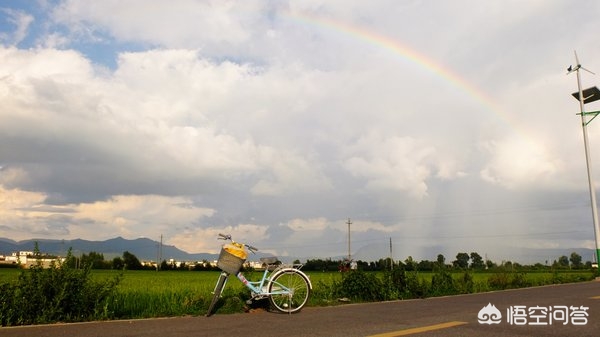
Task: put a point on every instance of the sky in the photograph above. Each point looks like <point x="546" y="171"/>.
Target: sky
<point x="438" y="126"/>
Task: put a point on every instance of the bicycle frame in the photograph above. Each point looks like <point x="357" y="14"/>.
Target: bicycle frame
<point x="258" y="287"/>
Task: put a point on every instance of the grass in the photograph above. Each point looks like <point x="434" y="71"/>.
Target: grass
<point x="142" y="294"/>
<point x="166" y="293"/>
<point x="9" y="274"/>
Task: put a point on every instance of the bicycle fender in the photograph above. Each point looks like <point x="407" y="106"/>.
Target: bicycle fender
<point x="285" y="269"/>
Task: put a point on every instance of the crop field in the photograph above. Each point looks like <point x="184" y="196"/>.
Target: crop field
<point x="143" y="294"/>
<point x="153" y="294"/>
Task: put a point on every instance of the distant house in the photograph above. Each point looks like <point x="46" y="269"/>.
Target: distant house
<point x="21" y="253"/>
<point x="26" y="259"/>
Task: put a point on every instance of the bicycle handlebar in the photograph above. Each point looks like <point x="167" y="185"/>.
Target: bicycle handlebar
<point x="228" y="237"/>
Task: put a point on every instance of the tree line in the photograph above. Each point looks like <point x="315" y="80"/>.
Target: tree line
<point x="463" y="261"/>
<point x="129" y="261"/>
<point x="95" y="260"/>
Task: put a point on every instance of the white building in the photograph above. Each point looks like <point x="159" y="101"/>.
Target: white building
<point x="26" y="259"/>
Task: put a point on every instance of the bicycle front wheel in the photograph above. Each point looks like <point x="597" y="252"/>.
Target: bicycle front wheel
<point x="289" y="290"/>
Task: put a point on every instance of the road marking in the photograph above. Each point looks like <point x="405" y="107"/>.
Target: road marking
<point x="595" y="298"/>
<point x="419" y="329"/>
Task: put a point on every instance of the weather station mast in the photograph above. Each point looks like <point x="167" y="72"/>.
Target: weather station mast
<point x="584" y="97"/>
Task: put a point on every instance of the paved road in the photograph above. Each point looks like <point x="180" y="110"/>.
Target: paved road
<point x="445" y="316"/>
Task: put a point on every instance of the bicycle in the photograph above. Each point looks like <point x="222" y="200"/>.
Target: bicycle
<point x="285" y="285"/>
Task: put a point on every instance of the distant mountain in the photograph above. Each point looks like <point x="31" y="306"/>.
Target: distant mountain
<point x="143" y="249"/>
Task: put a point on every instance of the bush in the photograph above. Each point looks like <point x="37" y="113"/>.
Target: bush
<point x="403" y="284"/>
<point x="361" y="286"/>
<point x="415" y="287"/>
<point x="499" y="281"/>
<point x="58" y="293"/>
<point x="394" y="284"/>
<point x="507" y="280"/>
<point x="519" y="280"/>
<point x="466" y="284"/>
<point x="324" y="293"/>
<point x="442" y="283"/>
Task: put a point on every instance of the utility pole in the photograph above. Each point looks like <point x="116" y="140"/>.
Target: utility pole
<point x="391" y="259"/>
<point x="159" y="254"/>
<point x="587" y="96"/>
<point x="349" y="251"/>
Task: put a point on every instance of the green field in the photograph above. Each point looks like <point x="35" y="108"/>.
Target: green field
<point x="167" y="293"/>
<point x="143" y="294"/>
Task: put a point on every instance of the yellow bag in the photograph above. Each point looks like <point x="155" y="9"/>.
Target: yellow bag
<point x="236" y="249"/>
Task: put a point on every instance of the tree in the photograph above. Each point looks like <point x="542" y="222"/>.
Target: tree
<point x="575" y="260"/>
<point x="563" y="261"/>
<point x="321" y="265"/>
<point x="411" y="264"/>
<point x="426" y="265"/>
<point x="131" y="261"/>
<point x="94" y="260"/>
<point x="441" y="261"/>
<point x="462" y="260"/>
<point x="164" y="265"/>
<point x="117" y="263"/>
<point x="476" y="261"/>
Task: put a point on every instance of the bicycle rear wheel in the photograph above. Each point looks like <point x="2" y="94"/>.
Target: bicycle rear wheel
<point x="217" y="293"/>
<point x="294" y="287"/>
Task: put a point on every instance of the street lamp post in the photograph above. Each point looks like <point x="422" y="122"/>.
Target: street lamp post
<point x="587" y="96"/>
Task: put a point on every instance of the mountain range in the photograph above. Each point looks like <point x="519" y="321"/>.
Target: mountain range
<point x="143" y="248"/>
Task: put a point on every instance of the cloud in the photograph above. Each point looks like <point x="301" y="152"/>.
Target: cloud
<point x="395" y="163"/>
<point x="204" y="239"/>
<point x="10" y="176"/>
<point x="308" y="224"/>
<point x="130" y="215"/>
<point x="27" y="213"/>
<point x="280" y="120"/>
<point x="161" y="125"/>
<point x="21" y="22"/>
<point x="213" y="26"/>
<point x="518" y="163"/>
<point x="23" y="214"/>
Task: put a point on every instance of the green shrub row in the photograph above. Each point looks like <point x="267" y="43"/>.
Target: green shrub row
<point x="360" y="286"/>
<point x="58" y="293"/>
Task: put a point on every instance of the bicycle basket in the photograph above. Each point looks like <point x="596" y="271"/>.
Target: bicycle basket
<point x="231" y="258"/>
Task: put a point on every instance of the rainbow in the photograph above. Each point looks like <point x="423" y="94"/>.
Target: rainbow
<point x="408" y="54"/>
